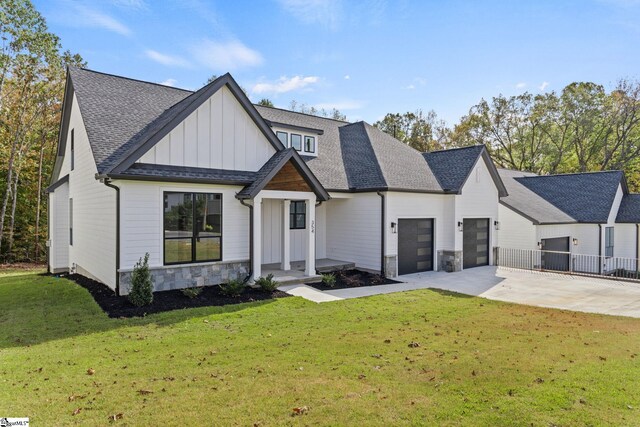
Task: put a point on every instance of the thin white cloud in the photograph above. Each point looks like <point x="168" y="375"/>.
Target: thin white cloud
<point x="543" y="86"/>
<point x="169" y="82"/>
<point x="416" y="82"/>
<point x="164" y="59"/>
<point x="130" y="4"/>
<point x="285" y="84"/>
<point x="411" y="87"/>
<point x="226" y="56"/>
<point x="94" y="18"/>
<point x="347" y="77"/>
<point x="521" y="85"/>
<point x="342" y="105"/>
<point x="327" y="13"/>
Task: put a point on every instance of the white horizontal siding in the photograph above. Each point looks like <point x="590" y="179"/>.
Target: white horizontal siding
<point x="416" y="205"/>
<point x="142" y="208"/>
<point x="219" y="134"/>
<point x="516" y="231"/>
<point x="478" y="199"/>
<point x="94" y="210"/>
<point x="625" y="241"/>
<point x="59" y="228"/>
<point x="353" y="230"/>
<point x="587" y="235"/>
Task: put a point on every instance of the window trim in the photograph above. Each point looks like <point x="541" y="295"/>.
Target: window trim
<point x="293" y="206"/>
<point x="73" y="162"/>
<point x="193" y="235"/>
<point x="313" y="142"/>
<point x="609" y="242"/>
<point x="286" y="137"/>
<point x="296" y="134"/>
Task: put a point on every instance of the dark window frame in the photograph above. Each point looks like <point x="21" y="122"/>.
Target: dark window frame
<point x="194" y="237"/>
<point x="286" y="137"/>
<point x="70" y="221"/>
<point x="73" y="162"/>
<point x="609" y="242"/>
<point x="294" y="210"/>
<point x="300" y="136"/>
<point x="313" y="143"/>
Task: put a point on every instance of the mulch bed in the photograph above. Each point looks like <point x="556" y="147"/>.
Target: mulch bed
<point x="119" y="307"/>
<point x="353" y="279"/>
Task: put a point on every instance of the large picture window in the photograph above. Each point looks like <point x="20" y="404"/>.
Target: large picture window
<point x="297" y="215"/>
<point x="192" y="227"/>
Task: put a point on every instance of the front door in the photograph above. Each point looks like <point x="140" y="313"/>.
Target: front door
<point x="475" y="242"/>
<point x="415" y="245"/>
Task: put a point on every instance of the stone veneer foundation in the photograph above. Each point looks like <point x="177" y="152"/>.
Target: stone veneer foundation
<point x="390" y="266"/>
<point x="450" y="260"/>
<point x="189" y="275"/>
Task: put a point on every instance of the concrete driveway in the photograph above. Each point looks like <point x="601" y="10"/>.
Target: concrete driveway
<point x="540" y="289"/>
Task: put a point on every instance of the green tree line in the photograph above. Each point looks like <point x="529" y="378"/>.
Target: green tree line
<point x="32" y="76"/>
<point x="582" y="128"/>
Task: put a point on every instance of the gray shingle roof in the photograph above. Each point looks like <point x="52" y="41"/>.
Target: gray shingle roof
<point x="115" y="109"/>
<point x="585" y="197"/>
<point x="190" y="174"/>
<point x="358" y="156"/>
<point x="629" y="211"/>
<point x="452" y="167"/>
<point x="528" y="203"/>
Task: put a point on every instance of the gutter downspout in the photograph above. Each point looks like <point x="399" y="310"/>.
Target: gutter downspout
<point x="243" y="203"/>
<point x="600" y="248"/>
<point x="383" y="221"/>
<point x="108" y="184"/>
<point x="637" y="247"/>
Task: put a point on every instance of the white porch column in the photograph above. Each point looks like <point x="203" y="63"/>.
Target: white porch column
<point x="256" y="256"/>
<point x="286" y="239"/>
<point x="310" y="264"/>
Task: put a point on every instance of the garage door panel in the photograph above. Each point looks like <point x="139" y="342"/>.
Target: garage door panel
<point x="475" y="242"/>
<point x="415" y="245"/>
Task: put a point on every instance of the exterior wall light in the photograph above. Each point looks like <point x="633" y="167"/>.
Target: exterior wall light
<point x="394" y="228"/>
<point x="540" y="245"/>
<point x="460" y="226"/>
<point x="496" y="225"/>
<point x="575" y="242"/>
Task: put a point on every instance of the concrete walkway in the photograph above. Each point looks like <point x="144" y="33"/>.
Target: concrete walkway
<point x="540" y="289"/>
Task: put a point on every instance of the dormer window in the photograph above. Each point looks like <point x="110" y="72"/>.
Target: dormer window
<point x="309" y="144"/>
<point x="283" y="137"/>
<point x="296" y="141"/>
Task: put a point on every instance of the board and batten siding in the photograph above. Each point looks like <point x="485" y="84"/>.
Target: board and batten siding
<point x="218" y="135"/>
<point x="353" y="229"/>
<point x="59" y="229"/>
<point x="516" y="231"/>
<point x="272" y="234"/>
<point x="93" y="251"/>
<point x="141" y="216"/>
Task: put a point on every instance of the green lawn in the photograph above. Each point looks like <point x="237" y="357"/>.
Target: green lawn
<point x="478" y="362"/>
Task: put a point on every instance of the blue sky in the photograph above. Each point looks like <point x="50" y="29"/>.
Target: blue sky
<point x="367" y="57"/>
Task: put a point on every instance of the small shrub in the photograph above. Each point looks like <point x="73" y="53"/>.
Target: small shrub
<point x="191" y="292"/>
<point x="329" y="280"/>
<point x="267" y="284"/>
<point x="141" y="287"/>
<point x="232" y="288"/>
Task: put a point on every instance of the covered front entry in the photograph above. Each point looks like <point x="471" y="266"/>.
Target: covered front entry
<point x="415" y="245"/>
<point x="475" y="242"/>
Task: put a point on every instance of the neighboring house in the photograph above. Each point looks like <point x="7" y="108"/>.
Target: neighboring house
<point x="582" y="213"/>
<point x="214" y="187"/>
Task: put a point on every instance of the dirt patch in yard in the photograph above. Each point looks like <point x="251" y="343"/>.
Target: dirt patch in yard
<point x="119" y="306"/>
<point x="353" y="279"/>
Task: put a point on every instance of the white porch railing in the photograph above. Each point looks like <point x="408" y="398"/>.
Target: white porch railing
<point x="567" y="262"/>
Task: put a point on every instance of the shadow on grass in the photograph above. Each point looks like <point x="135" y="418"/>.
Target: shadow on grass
<point x="447" y="293"/>
<point x="37" y="308"/>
